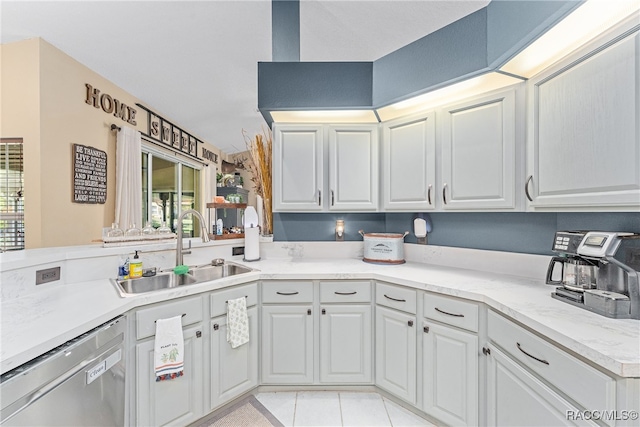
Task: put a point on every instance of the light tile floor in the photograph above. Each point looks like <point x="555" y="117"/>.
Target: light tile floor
<point x="332" y="408"/>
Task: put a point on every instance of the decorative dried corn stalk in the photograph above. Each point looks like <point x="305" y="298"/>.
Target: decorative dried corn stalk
<point x="260" y="149"/>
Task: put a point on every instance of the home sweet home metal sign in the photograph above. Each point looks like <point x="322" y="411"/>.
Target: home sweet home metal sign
<point x="89" y="175"/>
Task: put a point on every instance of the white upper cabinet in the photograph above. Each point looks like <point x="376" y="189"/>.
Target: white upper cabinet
<point x="583" y="145"/>
<point x="353" y="168"/>
<point x="409" y="163"/>
<point x="325" y="168"/>
<point x="479" y="138"/>
<point x="298" y="166"/>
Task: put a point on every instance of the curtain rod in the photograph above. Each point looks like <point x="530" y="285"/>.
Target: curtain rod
<point x="115" y="127"/>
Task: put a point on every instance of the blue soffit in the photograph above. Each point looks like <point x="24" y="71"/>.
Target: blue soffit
<point x="476" y="44"/>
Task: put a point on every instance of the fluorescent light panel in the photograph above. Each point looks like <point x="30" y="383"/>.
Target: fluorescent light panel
<point x="446" y="95"/>
<point x="582" y="25"/>
<point x="325" y="116"/>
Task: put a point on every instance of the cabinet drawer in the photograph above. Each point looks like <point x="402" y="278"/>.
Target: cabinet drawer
<point x="348" y="291"/>
<point x="396" y="297"/>
<point x="589" y="387"/>
<point x="218" y="299"/>
<point x="287" y="292"/>
<point x="189" y="308"/>
<point x="452" y="311"/>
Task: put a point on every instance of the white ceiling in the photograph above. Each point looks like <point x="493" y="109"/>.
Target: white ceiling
<point x="195" y="62"/>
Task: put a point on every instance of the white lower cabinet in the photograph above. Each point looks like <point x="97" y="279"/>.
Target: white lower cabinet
<point x="517" y="398"/>
<point x="450" y="374"/>
<point x="171" y="402"/>
<point x="234" y="371"/>
<point x="345" y="344"/>
<point x="396" y="353"/>
<point x="287" y="344"/>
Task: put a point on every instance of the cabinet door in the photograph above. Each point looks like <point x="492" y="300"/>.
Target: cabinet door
<point x="478" y="153"/>
<point x="409" y="164"/>
<point x="287" y="344"/>
<point x="345" y="344"/>
<point x="396" y="353"/>
<point x="450" y="374"/>
<point x="233" y="370"/>
<point x="298" y="168"/>
<point x="584" y="144"/>
<point x="178" y="401"/>
<point x="517" y="398"/>
<point x="353" y="168"/>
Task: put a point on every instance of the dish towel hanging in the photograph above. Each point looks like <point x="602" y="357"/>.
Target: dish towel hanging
<point x="169" y="349"/>
<point x="237" y="322"/>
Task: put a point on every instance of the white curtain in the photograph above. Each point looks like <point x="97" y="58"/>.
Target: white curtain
<point x="129" y="178"/>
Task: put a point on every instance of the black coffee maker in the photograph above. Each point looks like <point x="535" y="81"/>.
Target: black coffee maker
<point x="597" y="271"/>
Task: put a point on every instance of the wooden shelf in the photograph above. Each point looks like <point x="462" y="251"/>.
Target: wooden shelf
<point x="227" y="205"/>
<point x="226" y="236"/>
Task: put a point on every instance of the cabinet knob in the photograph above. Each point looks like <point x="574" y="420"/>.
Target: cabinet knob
<point x="198" y="334"/>
<point x="324" y="311"/>
<point x="216" y="327"/>
<point x="309" y="312"/>
<point x="486" y="351"/>
<point x="410" y="323"/>
<point x="426" y="329"/>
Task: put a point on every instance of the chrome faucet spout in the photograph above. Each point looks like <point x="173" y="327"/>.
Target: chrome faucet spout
<point x="205" y="234"/>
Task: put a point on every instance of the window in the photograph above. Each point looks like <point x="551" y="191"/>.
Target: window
<point x="11" y="195"/>
<point x="170" y="186"/>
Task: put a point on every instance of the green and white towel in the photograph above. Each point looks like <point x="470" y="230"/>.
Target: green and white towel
<point x="237" y="322"/>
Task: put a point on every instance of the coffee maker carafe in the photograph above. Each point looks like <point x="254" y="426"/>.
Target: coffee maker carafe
<point x="597" y="271"/>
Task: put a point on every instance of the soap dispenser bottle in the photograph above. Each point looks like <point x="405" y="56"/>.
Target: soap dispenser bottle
<point x="135" y="267"/>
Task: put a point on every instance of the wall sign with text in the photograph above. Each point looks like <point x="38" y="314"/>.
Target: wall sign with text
<point x="170" y="135"/>
<point x="89" y="175"/>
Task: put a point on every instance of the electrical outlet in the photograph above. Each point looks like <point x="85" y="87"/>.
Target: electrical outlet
<point x="47" y="275"/>
<point x="237" y="250"/>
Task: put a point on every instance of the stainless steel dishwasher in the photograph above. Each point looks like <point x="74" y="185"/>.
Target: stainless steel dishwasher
<point x="80" y="383"/>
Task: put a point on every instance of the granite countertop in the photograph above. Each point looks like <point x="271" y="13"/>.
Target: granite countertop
<point x="36" y="323"/>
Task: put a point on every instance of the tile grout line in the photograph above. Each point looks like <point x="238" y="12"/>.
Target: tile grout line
<point x="384" y="403"/>
<point x="295" y="409"/>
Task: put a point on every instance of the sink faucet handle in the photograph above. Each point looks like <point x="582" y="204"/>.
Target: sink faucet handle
<point x="217" y="262"/>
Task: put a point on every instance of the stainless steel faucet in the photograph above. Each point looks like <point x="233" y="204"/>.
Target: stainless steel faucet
<point x="205" y="234"/>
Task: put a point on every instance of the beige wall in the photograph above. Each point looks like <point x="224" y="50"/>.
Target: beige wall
<point x="43" y="101"/>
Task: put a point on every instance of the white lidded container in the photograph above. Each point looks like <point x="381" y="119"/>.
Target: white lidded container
<point x="383" y="248"/>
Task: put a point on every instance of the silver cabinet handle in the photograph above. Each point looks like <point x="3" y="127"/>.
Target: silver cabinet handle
<point x="526" y="188"/>
<point x="287" y="293"/>
<point x="429" y="194"/>
<point x="533" y="357"/>
<point x="447" y="313"/>
<point x="345" y="293"/>
<point x="444" y="193"/>
<point x="332" y="198"/>
<point x="319" y="198"/>
<point x="394" y="299"/>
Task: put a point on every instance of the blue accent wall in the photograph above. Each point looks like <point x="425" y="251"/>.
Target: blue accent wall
<point x="523" y="232"/>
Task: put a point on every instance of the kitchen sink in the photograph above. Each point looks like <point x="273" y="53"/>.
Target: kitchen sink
<point x="213" y="272"/>
<point x="154" y="283"/>
<point x="168" y="280"/>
